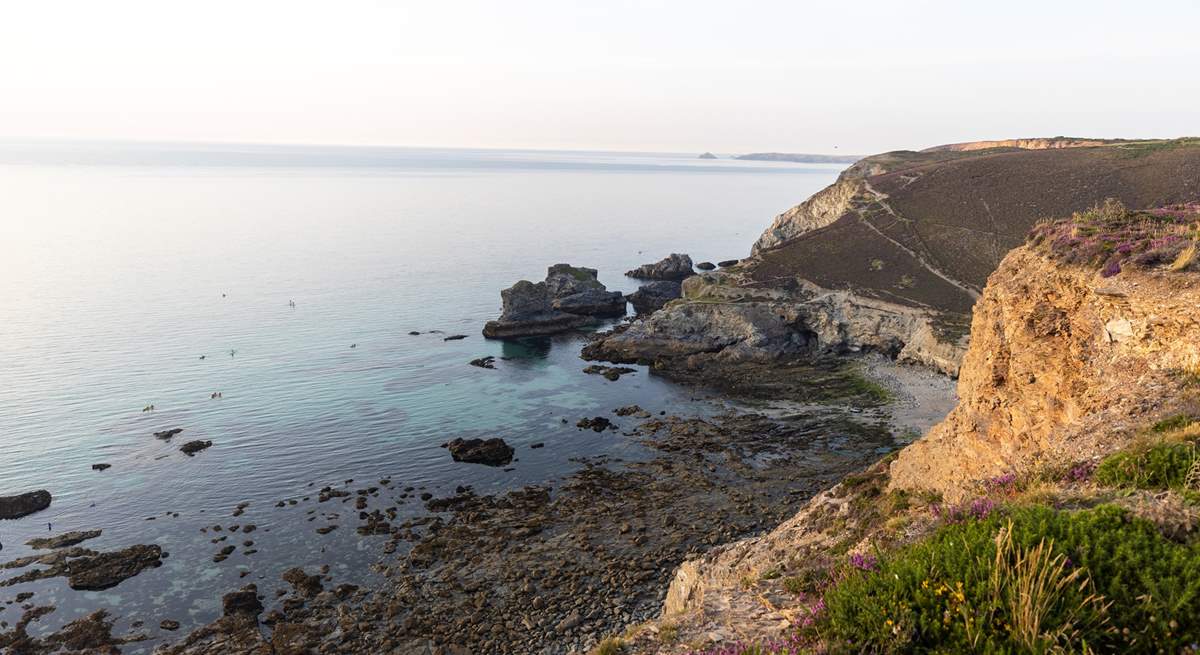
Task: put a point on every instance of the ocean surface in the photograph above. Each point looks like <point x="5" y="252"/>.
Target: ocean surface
<point x="288" y="278"/>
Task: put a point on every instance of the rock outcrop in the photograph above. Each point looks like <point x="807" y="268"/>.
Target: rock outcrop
<point x="823" y="208"/>
<point x="569" y="298"/>
<point x="492" y="452"/>
<point x="651" y="297"/>
<point x="672" y="267"/>
<point x="14" y="507"/>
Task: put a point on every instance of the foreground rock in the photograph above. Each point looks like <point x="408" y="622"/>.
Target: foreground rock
<point x="14" y="507"/>
<point x="492" y="452"/>
<point x="672" y="267"/>
<point x="652" y="297"/>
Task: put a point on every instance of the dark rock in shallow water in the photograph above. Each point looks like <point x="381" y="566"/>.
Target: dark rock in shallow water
<point x="706" y="266"/>
<point x="613" y="373"/>
<point x="242" y="602"/>
<point x="596" y="424"/>
<point x="528" y="311"/>
<point x="101" y="467"/>
<point x="414" y="333"/>
<point x="192" y="447"/>
<point x="108" y="570"/>
<point x="455" y="337"/>
<point x="484" y="362"/>
<point x="14" y="507"/>
<point x="167" y="434"/>
<point x="492" y="452"/>
<point x="651" y="297"/>
<point x="305" y="585"/>
<point x="537" y="445"/>
<point x="62" y="540"/>
<point x="729" y="262"/>
<point x="169" y="625"/>
<point x="673" y="267"/>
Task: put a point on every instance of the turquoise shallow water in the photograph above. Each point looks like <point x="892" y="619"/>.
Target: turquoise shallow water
<point x="120" y="265"/>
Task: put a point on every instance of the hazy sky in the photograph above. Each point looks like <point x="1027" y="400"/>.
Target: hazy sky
<point x="830" y="76"/>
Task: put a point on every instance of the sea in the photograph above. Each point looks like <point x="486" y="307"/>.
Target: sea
<point x="287" y="280"/>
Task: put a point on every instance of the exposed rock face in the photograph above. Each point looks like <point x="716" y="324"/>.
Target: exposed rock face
<point x="823" y="208"/>
<point x="14" y="507"/>
<point x="492" y="452"/>
<point x="673" y="267"/>
<point x="569" y="298"/>
<point x="1061" y="360"/>
<point x="726" y="322"/>
<point x="651" y="297"/>
<point x="528" y="312"/>
<point x="1025" y="144"/>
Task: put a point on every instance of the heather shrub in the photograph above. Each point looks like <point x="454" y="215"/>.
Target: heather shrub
<point x="1113" y="238"/>
<point x="1036" y="580"/>
<point x="1161" y="466"/>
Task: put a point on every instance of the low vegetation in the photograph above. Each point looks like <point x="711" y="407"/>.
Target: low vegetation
<point x="1112" y="238"/>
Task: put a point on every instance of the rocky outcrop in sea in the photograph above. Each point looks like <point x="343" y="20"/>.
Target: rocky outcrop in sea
<point x="672" y="267"/>
<point x="570" y="297"/>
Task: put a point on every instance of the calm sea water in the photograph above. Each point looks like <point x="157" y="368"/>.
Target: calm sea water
<point x="122" y="264"/>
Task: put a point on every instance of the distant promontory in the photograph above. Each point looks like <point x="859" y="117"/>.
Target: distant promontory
<point x="800" y="158"/>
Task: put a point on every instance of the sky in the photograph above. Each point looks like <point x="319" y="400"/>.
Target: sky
<point x="664" y="76"/>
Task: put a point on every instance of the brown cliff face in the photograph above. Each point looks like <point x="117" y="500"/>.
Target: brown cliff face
<point x="1063" y="365"/>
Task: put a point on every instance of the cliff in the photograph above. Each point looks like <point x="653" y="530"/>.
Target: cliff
<point x="892" y="256"/>
<point x="1070" y="365"/>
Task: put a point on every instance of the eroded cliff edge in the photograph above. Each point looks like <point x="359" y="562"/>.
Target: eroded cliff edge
<point x="1067" y="364"/>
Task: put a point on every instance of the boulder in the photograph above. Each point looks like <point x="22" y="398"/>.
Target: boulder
<point x="651" y="297"/>
<point x="729" y="262"/>
<point x="706" y="266"/>
<point x="243" y="602"/>
<point x="673" y="267"/>
<point x="14" y="507"/>
<point x="528" y="311"/>
<point x="192" y="447"/>
<point x="492" y="452"/>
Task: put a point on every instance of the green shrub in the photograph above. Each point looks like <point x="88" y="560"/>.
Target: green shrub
<point x="1172" y="423"/>
<point x="1162" y="466"/>
<point x="1034" y="581"/>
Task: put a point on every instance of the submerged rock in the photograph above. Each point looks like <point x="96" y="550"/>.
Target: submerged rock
<point x="613" y="373"/>
<point x="101" y="467"/>
<point x="595" y="424"/>
<point x="651" y="297"/>
<point x="192" y="447"/>
<point x="14" y="507"/>
<point x="62" y="540"/>
<point x="673" y="267"/>
<point x="167" y="434"/>
<point x="484" y="362"/>
<point x="492" y="452"/>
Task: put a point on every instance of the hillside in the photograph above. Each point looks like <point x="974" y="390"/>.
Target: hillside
<point x="893" y="256"/>
<point x="1071" y="460"/>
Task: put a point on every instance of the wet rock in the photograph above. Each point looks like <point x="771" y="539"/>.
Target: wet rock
<point x="455" y="337"/>
<point x="528" y="311"/>
<point x="651" y="297"/>
<point x="673" y="267"/>
<point x="706" y="266"/>
<point x="484" y="362"/>
<point x="167" y="434"/>
<point x="101" y="467"/>
<point x="169" y="625"/>
<point x="492" y="452"/>
<point x="242" y="602"/>
<point x="14" y="507"/>
<point x="632" y="410"/>
<point x="62" y="540"/>
<point x="305" y="585"/>
<point x="596" y="424"/>
<point x="414" y="333"/>
<point x="537" y="445"/>
<point x="613" y="373"/>
<point x="107" y="570"/>
<point x="192" y="447"/>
